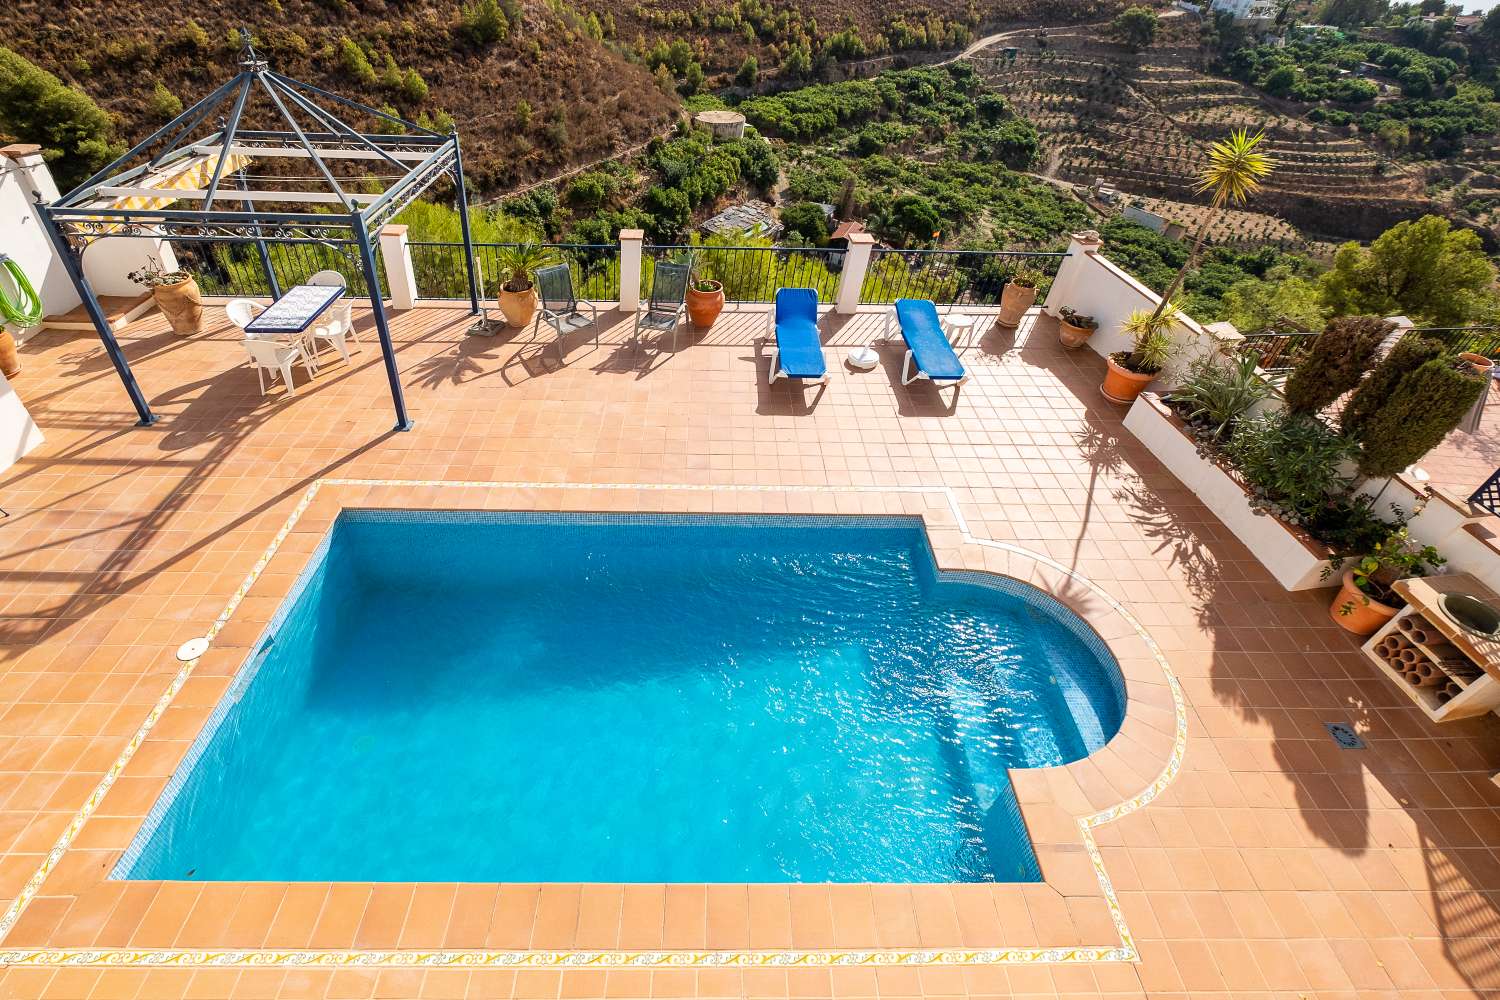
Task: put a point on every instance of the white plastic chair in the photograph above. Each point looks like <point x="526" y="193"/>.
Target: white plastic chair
<point x="339" y="322"/>
<point x="242" y="311"/>
<point x="277" y="357"/>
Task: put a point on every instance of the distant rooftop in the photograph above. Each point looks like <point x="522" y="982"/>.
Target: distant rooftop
<point x="751" y="217"/>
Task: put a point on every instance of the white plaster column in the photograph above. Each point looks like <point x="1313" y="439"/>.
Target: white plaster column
<point x="852" y="277"/>
<point x="400" y="279"/>
<point x="632" y="242"/>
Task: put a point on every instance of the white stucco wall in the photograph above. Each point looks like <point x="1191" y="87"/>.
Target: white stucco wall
<point x="1092" y="284"/>
<point x="19" y="434"/>
<point x="23" y="237"/>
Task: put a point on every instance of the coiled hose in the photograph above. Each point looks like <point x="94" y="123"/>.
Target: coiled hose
<point x="20" y="305"/>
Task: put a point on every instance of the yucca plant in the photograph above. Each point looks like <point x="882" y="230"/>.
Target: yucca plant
<point x="1151" y="336"/>
<point x="1236" y="167"/>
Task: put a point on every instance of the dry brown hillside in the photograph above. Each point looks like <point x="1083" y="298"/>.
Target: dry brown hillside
<point x="545" y="96"/>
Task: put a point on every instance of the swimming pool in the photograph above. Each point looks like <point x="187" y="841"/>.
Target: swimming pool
<point x="489" y="697"/>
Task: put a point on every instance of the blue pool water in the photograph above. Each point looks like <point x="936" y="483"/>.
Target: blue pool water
<point x="524" y="698"/>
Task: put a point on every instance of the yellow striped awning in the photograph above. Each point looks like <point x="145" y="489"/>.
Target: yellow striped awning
<point x="191" y="174"/>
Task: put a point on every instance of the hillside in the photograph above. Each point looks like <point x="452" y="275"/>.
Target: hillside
<point x="543" y="96"/>
<point x="543" y="85"/>
<point x="1142" y="120"/>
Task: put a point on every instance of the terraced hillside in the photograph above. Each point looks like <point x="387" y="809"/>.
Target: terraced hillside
<point x="1142" y="122"/>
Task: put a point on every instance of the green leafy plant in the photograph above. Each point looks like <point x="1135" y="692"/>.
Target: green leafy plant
<point x="1395" y="557"/>
<point x="1339" y="358"/>
<point x="1026" y="277"/>
<point x="1216" y="393"/>
<point x="1292" y="464"/>
<point x="521" y="261"/>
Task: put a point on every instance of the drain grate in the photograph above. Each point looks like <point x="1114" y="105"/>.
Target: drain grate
<point x="1344" y="735"/>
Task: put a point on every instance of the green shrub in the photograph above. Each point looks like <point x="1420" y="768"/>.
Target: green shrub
<point x="1409" y="353"/>
<point x="807" y="220"/>
<point x="163" y="103"/>
<point x="748" y="73"/>
<point x="1291" y="463"/>
<point x="354" y="61"/>
<point x="1425" y="404"/>
<point x="73" y="131"/>
<point x="1339" y="358"/>
<point x="1135" y="26"/>
<point x="484" y="22"/>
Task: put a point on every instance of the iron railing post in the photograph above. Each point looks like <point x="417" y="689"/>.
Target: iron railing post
<point x="382" y="328"/>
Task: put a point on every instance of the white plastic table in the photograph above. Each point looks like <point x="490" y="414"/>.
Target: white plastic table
<point x="960" y="324"/>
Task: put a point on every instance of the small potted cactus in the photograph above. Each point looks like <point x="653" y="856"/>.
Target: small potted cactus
<point x="1074" y="328"/>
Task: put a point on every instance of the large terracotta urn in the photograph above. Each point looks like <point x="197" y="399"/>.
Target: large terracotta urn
<point x="517" y="307"/>
<point x="705" y="304"/>
<point x="1014" y="301"/>
<point x="182" y="303"/>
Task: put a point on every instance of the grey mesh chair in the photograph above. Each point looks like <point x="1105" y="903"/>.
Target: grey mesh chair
<point x="559" y="307"/>
<point x="667" y="304"/>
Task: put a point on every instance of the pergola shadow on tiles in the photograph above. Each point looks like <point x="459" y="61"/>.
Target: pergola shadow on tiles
<point x="318" y="190"/>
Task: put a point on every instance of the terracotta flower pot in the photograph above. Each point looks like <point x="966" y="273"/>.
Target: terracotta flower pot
<point x="10" y="363"/>
<point x="182" y="304"/>
<point x="1073" y="336"/>
<point x="704" y="307"/>
<point x="1478" y="362"/>
<point x="1355" y="611"/>
<point x="1121" y="385"/>
<point x="517" y="307"/>
<point x="1014" y="301"/>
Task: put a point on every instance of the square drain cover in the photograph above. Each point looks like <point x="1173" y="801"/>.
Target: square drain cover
<point x="1344" y="735"/>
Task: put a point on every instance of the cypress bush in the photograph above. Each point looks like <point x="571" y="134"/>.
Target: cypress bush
<point x="1409" y="353"/>
<point x="1424" y="406"/>
<point x="1339" y="357"/>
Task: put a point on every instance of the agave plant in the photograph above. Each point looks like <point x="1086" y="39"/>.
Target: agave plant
<point x="1217" y="393"/>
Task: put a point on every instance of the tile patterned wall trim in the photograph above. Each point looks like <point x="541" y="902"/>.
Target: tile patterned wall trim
<point x="1124" y="951"/>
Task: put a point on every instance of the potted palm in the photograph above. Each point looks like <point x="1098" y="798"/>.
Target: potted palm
<point x="519" y="263"/>
<point x="705" y="296"/>
<point x="1074" y="328"/>
<point x="1017" y="296"/>
<point x="175" y="293"/>
<point x="1129" y="372"/>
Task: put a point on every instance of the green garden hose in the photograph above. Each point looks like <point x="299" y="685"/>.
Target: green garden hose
<point x="20" y="305"/>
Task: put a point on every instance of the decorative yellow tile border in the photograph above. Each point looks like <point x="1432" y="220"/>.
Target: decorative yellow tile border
<point x="1125" y="951"/>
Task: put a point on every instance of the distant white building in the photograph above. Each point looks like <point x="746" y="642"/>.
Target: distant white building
<point x="1247" y="10"/>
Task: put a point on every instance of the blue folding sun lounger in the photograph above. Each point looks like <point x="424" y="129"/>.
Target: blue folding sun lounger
<point x="799" y="351"/>
<point x="926" y="344"/>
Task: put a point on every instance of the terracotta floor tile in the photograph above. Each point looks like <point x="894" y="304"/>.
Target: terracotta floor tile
<point x="1274" y="866"/>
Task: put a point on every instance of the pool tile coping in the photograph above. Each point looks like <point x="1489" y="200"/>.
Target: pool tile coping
<point x="1156" y="716"/>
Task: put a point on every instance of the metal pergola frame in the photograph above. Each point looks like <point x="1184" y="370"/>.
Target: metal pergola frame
<point x="422" y="156"/>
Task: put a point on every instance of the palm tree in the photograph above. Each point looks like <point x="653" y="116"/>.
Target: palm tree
<point x="1234" y="172"/>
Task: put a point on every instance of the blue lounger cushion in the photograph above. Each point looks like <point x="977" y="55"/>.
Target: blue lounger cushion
<point x="925" y="339"/>
<point x="801" y="350"/>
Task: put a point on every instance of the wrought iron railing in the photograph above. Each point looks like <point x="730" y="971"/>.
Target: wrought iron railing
<point x="1472" y="339"/>
<point x="752" y="273"/>
<point x="237" y="269"/>
<point x="1278" y="353"/>
<point x="954" y="277"/>
<point x="441" y="273"/>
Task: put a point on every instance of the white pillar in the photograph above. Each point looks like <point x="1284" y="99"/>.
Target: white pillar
<point x="1402" y="324"/>
<point x="852" y="277"/>
<point x="400" y="279"/>
<point x="1080" y="247"/>
<point x="631" y="245"/>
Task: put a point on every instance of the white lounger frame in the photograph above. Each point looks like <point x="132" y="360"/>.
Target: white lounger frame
<point x="907" y="376"/>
